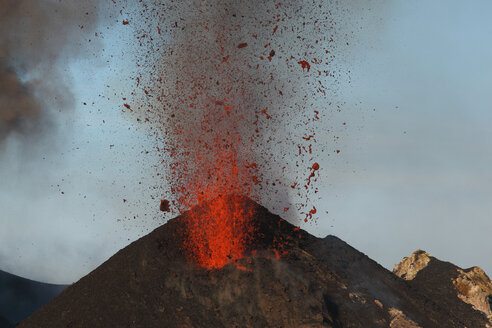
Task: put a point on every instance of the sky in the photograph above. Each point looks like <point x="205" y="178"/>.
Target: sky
<point x="413" y="169"/>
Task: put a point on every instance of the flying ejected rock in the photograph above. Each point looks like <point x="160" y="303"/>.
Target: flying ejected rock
<point x="164" y="207"/>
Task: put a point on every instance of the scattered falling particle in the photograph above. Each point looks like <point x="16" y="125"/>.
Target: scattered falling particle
<point x="164" y="207"/>
<point x="305" y="65"/>
<point x="226" y="109"/>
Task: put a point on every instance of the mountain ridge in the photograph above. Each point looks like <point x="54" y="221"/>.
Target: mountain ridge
<point x="20" y="297"/>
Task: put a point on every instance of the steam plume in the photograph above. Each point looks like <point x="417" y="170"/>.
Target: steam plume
<point x="34" y="35"/>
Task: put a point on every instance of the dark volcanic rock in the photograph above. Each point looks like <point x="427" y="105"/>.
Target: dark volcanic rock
<point x="20" y="297"/>
<point x="316" y="283"/>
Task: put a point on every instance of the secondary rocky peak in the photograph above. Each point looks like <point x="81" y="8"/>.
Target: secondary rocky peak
<point x="409" y="267"/>
<point x="455" y="288"/>
<point x="475" y="288"/>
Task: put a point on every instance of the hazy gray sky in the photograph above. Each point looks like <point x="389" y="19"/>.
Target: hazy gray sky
<point x="413" y="172"/>
<point x="422" y="159"/>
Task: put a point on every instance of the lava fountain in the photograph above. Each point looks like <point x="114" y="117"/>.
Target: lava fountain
<point x="211" y="160"/>
<point x="224" y="99"/>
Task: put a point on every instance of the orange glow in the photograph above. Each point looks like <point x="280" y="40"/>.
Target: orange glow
<point x="219" y="229"/>
<point x="211" y="155"/>
<point x="218" y="232"/>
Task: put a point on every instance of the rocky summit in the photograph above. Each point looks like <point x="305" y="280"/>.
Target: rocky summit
<point x="455" y="288"/>
<point x="288" y="278"/>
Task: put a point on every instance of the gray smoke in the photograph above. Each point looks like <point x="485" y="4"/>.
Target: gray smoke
<point x="34" y="36"/>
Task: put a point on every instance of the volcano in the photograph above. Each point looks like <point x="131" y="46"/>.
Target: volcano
<point x="285" y="278"/>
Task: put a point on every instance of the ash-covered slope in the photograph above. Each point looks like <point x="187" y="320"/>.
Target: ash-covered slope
<point x="20" y="297"/>
<point x="315" y="283"/>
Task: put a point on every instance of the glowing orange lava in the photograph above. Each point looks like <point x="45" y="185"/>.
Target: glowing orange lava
<point x="219" y="231"/>
<point x="210" y="150"/>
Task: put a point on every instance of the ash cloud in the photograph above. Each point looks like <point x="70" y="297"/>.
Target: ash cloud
<point x="34" y="36"/>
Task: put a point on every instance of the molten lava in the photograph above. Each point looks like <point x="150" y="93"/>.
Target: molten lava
<point x="219" y="228"/>
<point x="211" y="152"/>
<point x="219" y="231"/>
